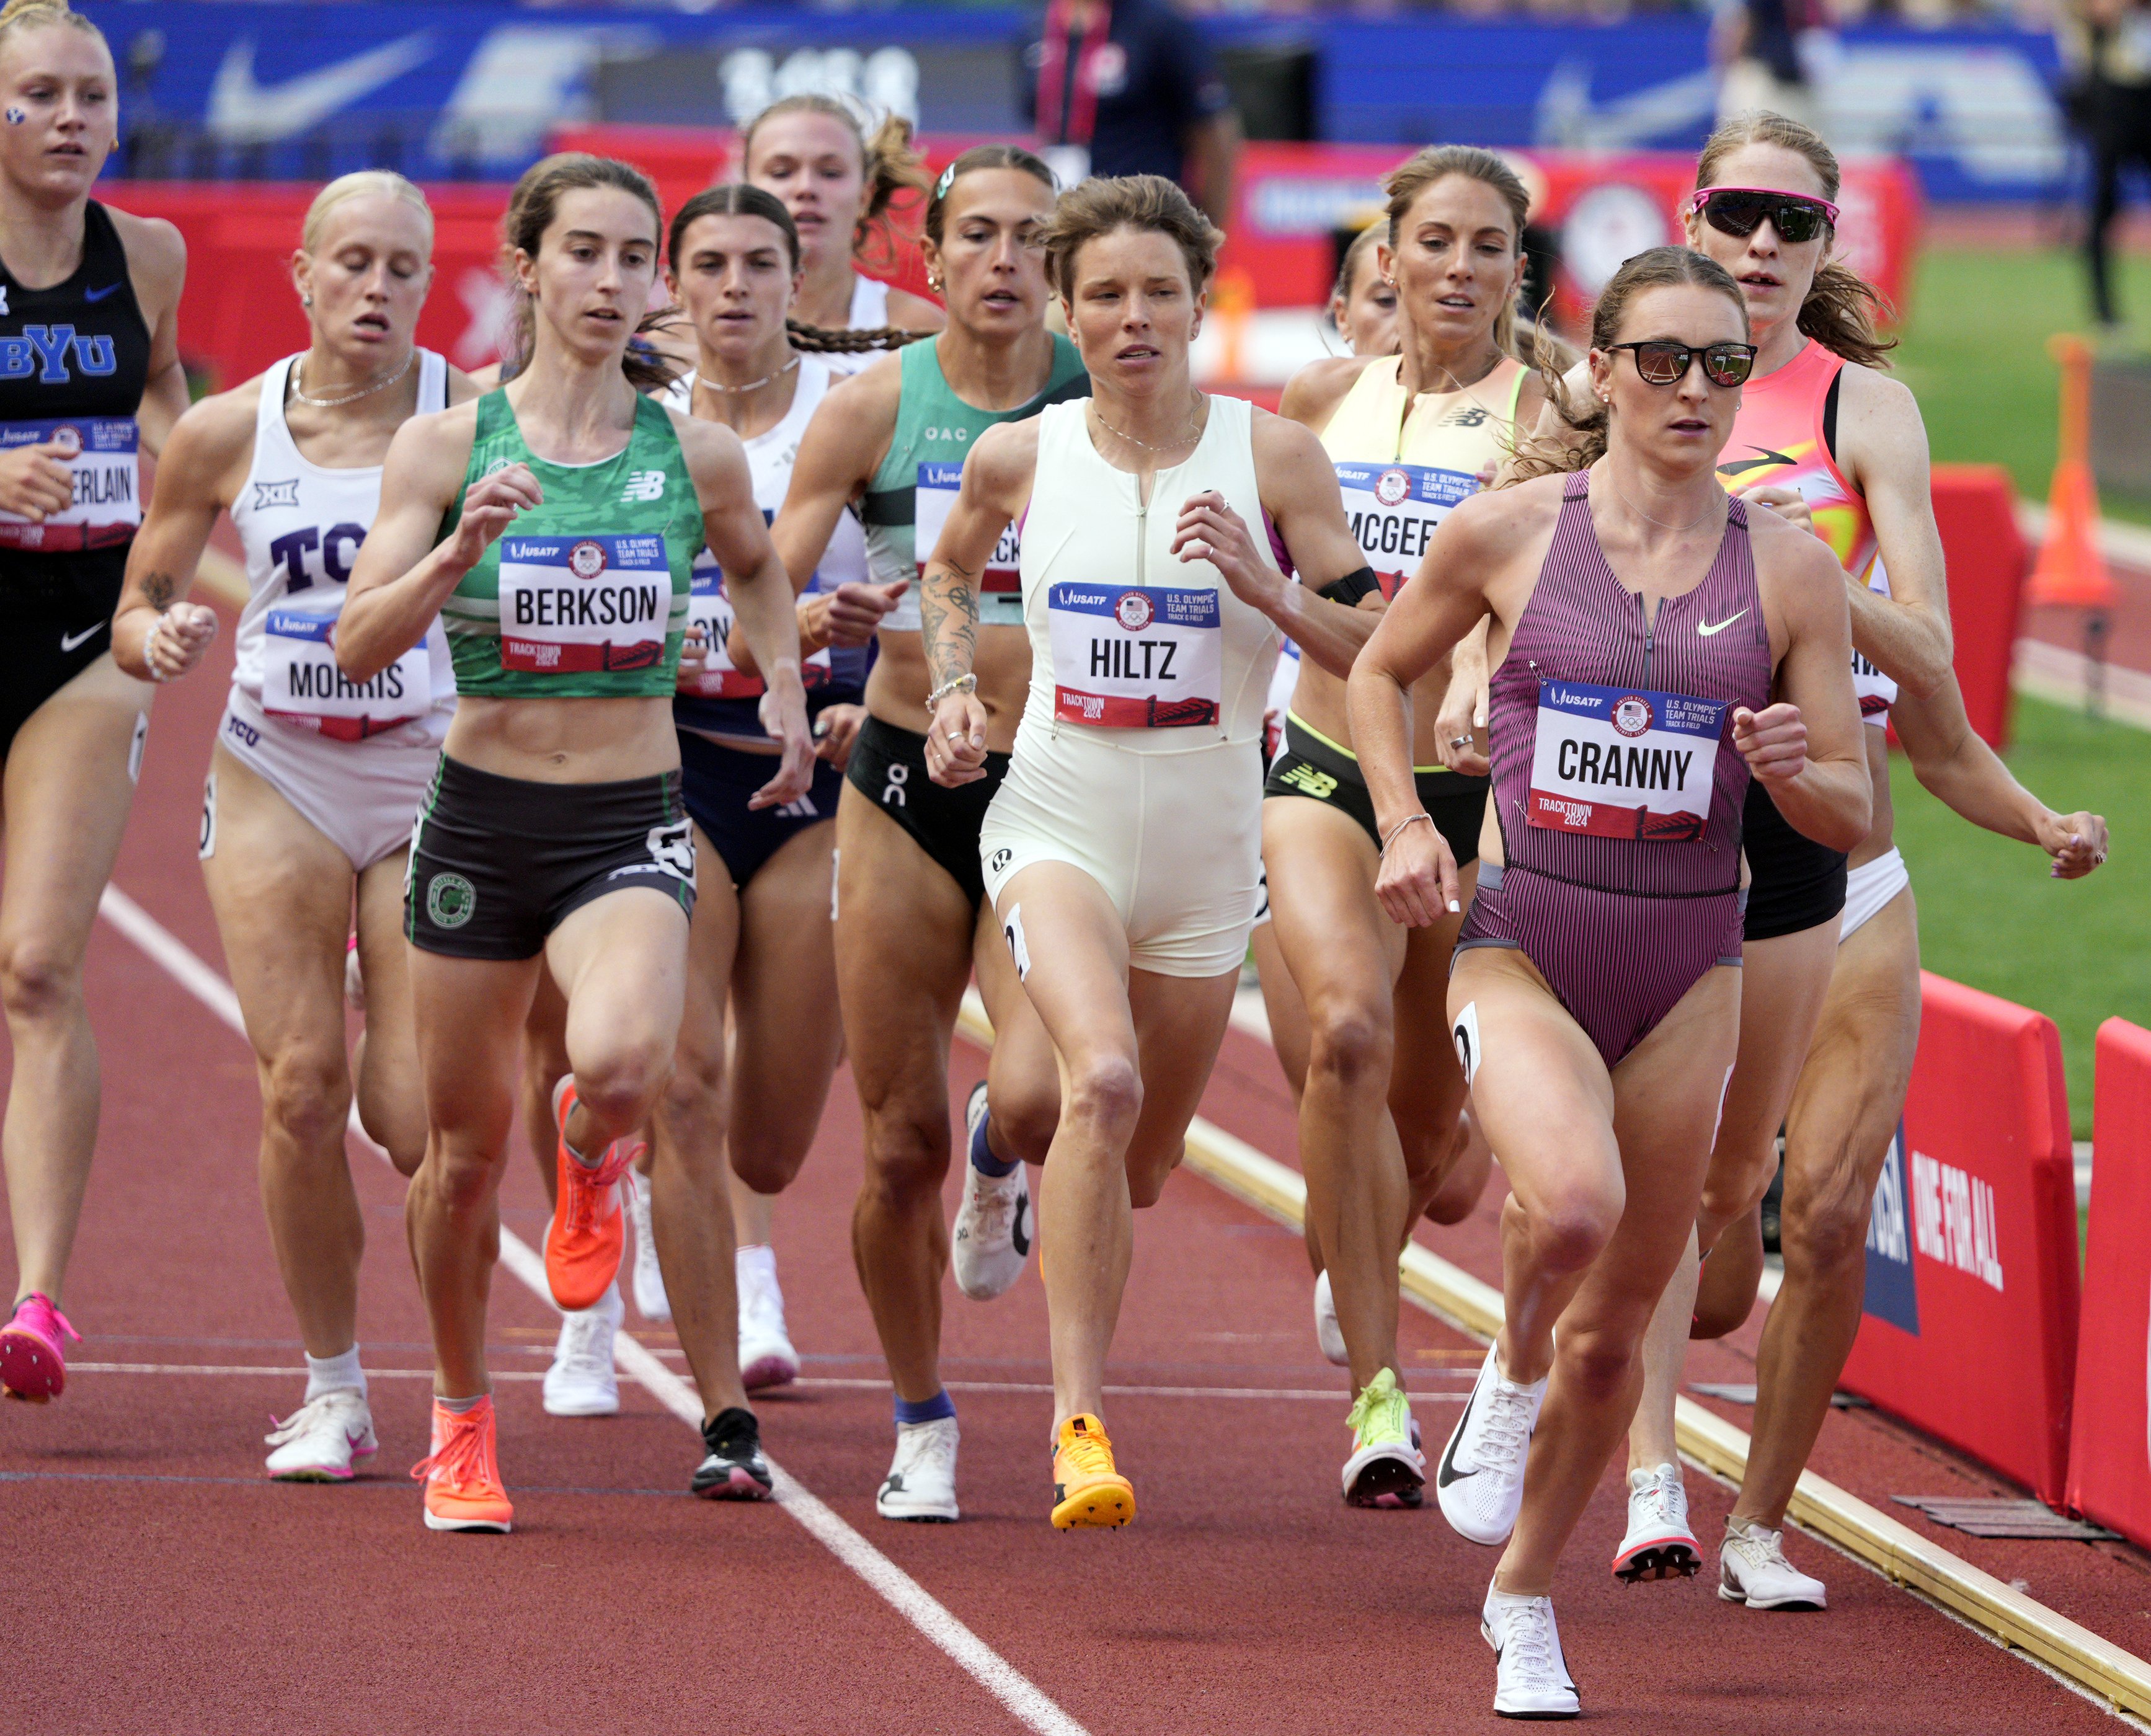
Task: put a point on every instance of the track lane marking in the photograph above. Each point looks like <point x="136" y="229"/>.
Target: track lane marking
<point x="927" y="1613"/>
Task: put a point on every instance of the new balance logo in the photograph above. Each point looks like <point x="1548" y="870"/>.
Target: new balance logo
<point x="643" y="485"/>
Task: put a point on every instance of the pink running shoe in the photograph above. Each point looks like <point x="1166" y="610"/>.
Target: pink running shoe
<point x="31" y="1365"/>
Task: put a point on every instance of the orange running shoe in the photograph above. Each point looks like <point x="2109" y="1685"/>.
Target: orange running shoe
<point x="587" y="1233"/>
<point x="461" y="1473"/>
<point x="1086" y="1489"/>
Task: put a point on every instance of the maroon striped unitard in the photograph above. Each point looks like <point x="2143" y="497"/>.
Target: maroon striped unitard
<point x="1621" y="928"/>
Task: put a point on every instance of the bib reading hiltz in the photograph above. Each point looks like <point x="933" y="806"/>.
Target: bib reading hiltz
<point x="1142" y="658"/>
<point x="1625" y="762"/>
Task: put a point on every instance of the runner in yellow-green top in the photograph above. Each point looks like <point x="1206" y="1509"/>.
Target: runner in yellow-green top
<point x="552" y="525"/>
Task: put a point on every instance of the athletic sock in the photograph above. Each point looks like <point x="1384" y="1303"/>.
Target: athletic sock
<point x="754" y="1266"/>
<point x="335" y="1373"/>
<point x="926" y="1411"/>
<point x="460" y="1407"/>
<point x="982" y="1152"/>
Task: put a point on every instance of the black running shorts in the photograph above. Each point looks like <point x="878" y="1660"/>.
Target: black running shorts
<point x="59" y="622"/>
<point x="718" y="782"/>
<point x="1794" y="883"/>
<point x="888" y="766"/>
<point x="497" y="863"/>
<point x="1311" y="767"/>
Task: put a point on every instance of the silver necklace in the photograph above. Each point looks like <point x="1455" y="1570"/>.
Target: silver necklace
<point x="751" y="385"/>
<point x="299" y="390"/>
<point x="1180" y="439"/>
<point x="1660" y="523"/>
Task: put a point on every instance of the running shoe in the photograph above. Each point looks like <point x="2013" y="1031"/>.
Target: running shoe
<point x="316" y="1443"/>
<point x="354" y="978"/>
<point x="921" y="1483"/>
<point x="461" y="1473"/>
<point x="1659" y="1543"/>
<point x="992" y="1238"/>
<point x="1752" y="1569"/>
<point x="1086" y="1489"/>
<point x="1531" y="1678"/>
<point x="588" y="1230"/>
<point x="1386" y="1468"/>
<point x="32" y="1367"/>
<point x="651" y="1301"/>
<point x="1328" y="1333"/>
<point x="582" y="1380"/>
<point x="734" y="1469"/>
<point x="1480" y="1480"/>
<point x="766" y="1356"/>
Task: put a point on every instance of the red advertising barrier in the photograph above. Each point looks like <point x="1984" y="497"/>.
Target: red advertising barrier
<point x="2109" y="1454"/>
<point x="1970" y="1328"/>
<point x="1975" y="510"/>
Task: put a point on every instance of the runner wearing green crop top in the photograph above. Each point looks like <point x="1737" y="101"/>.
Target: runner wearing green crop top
<point x="889" y="442"/>
<point x="552" y="525"/>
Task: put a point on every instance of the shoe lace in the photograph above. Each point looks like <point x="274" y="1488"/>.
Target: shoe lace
<point x="461" y="1459"/>
<point x="587" y="1340"/>
<point x="1506" y="1421"/>
<point x="1380" y="1412"/>
<point x="1527" y="1641"/>
<point x="1759" y="1547"/>
<point x="1090" y="1451"/>
<point x="928" y="1447"/>
<point x="317" y="1413"/>
<point x="994" y="1207"/>
<point x="35" y="1303"/>
<point x="591" y="1182"/>
<point x="1667" y="1498"/>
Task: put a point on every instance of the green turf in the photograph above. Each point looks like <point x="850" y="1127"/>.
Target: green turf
<point x="1974" y="352"/>
<point x="2079" y="952"/>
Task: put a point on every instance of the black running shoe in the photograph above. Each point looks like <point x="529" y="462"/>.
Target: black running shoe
<point x="734" y="1469"/>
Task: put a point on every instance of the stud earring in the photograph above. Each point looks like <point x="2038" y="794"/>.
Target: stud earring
<point x="306" y="301"/>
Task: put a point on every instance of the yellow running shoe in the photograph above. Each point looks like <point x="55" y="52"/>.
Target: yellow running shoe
<point x="1086" y="1489"/>
<point x="1386" y="1469"/>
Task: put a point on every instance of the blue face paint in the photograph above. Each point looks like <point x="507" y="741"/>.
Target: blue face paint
<point x="16" y="117"/>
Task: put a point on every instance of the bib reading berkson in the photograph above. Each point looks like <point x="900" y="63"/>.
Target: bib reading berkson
<point x="585" y="595"/>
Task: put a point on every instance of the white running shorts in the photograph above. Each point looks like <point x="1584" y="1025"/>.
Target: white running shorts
<point x="362" y="797"/>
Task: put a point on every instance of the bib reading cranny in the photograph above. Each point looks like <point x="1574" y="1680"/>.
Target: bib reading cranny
<point x="1623" y="761"/>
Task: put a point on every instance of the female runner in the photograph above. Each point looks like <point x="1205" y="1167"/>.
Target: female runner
<point x="313" y="780"/>
<point x="1409" y="436"/>
<point x="88" y="303"/>
<point x="1643" y="623"/>
<point x="810" y="151"/>
<point x="553" y="836"/>
<point x="1123" y="850"/>
<point x="909" y="923"/>
<point x="1825" y="439"/>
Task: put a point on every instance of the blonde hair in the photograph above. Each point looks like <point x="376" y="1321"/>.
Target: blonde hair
<point x="887" y="163"/>
<point x="34" y="14"/>
<point x="1839" y="312"/>
<point x="1149" y="203"/>
<point x="1438" y="161"/>
<point x="360" y="184"/>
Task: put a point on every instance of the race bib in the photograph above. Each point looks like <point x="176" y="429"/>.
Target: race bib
<point x="1393" y="509"/>
<point x="1143" y="658"/>
<point x="1001" y="586"/>
<point x="571" y="604"/>
<point x="1874" y="691"/>
<point x="710" y="609"/>
<point x="302" y="688"/>
<point x="107" y="480"/>
<point x="1623" y="761"/>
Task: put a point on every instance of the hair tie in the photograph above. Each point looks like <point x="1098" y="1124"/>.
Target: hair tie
<point x="948" y="180"/>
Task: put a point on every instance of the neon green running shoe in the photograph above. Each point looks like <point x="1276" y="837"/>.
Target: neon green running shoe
<point x="1386" y="1468"/>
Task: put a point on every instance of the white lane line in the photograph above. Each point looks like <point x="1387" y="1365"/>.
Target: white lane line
<point x="905" y="1594"/>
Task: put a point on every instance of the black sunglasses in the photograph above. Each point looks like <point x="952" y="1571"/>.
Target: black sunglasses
<point x="1737" y="211"/>
<point x="1664" y="364"/>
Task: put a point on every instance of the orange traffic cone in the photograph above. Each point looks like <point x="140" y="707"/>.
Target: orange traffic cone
<point x="2072" y="572"/>
<point x="1233" y="306"/>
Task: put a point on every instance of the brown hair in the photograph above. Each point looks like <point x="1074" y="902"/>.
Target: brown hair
<point x="32" y="14"/>
<point x="1583" y="441"/>
<point x="1438" y="161"/>
<point x="531" y="209"/>
<point x="1839" y="310"/>
<point x="1144" y="202"/>
<point x="888" y="163"/>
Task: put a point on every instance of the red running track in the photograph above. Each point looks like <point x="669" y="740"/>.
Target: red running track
<point x="158" y="1583"/>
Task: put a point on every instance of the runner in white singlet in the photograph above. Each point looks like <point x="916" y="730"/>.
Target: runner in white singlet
<point x="1122" y="852"/>
<point x="314" y="779"/>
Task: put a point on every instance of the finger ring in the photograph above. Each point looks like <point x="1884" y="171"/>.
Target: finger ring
<point x="1460" y="741"/>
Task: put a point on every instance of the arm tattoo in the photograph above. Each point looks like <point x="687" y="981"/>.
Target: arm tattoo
<point x="157" y="590"/>
<point x="947" y="621"/>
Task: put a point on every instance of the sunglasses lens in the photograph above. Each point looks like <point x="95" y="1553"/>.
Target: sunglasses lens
<point x="1662" y="364"/>
<point x="1734" y="213"/>
<point x="1729" y="364"/>
<point x="1797" y="222"/>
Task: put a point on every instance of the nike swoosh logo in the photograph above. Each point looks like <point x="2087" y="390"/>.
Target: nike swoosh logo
<point x="1704" y="630"/>
<point x="99" y="295"/>
<point x="1449" y="1473"/>
<point x="1020" y="1236"/>
<point x="1763" y="463"/>
<point x="68" y="641"/>
<point x="245" y="111"/>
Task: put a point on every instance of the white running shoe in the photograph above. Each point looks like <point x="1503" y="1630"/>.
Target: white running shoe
<point x="651" y="1301"/>
<point x="316" y="1443"/>
<point x="921" y="1478"/>
<point x="766" y="1356"/>
<point x="1531" y="1678"/>
<point x="1328" y="1333"/>
<point x="582" y="1381"/>
<point x="1481" y="1482"/>
<point x="1752" y="1569"/>
<point x="992" y="1237"/>
<point x="1659" y="1543"/>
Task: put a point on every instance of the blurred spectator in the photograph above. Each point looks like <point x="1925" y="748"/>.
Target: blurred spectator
<point x="2106" y="46"/>
<point x="1768" y="54"/>
<point x="1128" y="87"/>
